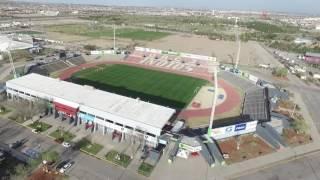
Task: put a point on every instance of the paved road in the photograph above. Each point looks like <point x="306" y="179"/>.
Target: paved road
<point x="236" y="81"/>
<point x="307" y="168"/>
<point x="86" y="167"/>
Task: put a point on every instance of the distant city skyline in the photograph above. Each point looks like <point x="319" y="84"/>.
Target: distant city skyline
<point x="290" y="6"/>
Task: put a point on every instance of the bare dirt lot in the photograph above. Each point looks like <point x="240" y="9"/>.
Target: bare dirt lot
<point x="40" y="174"/>
<point x="251" y="52"/>
<point x="294" y="139"/>
<point x="250" y="147"/>
<point x="103" y="43"/>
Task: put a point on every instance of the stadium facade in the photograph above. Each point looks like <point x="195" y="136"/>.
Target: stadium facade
<point x="103" y="111"/>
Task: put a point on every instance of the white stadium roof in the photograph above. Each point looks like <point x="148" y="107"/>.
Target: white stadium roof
<point x="9" y="44"/>
<point x="128" y="108"/>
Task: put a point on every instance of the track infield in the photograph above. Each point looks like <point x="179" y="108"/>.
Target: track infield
<point x="158" y="87"/>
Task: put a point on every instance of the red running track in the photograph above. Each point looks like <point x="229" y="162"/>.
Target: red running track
<point x="231" y="101"/>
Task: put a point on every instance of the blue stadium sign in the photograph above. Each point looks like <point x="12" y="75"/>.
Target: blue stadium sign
<point x="234" y="130"/>
<point x="240" y="127"/>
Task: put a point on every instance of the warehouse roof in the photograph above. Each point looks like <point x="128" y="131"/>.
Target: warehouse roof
<point x="313" y="54"/>
<point x="9" y="44"/>
<point x="136" y="110"/>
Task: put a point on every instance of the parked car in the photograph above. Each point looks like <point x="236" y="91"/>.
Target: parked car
<point x="66" y="167"/>
<point x="61" y="164"/>
<point x="16" y="144"/>
<point x="35" y="131"/>
<point x="2" y="155"/>
<point x="66" y="144"/>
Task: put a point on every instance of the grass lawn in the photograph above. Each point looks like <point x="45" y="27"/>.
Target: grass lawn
<point x="29" y="32"/>
<point x="67" y="136"/>
<point x="40" y="126"/>
<point x="145" y="169"/>
<point x="102" y="31"/>
<point x="89" y="147"/>
<point x="118" y="158"/>
<point x="158" y="87"/>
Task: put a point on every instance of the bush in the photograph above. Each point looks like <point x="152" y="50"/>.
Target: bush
<point x="50" y="156"/>
<point x="2" y="109"/>
<point x="145" y="169"/>
<point x="300" y="125"/>
<point x="118" y="158"/>
<point x="87" y="146"/>
<point x="90" y="47"/>
<point x="39" y="126"/>
<point x="280" y="72"/>
<point x="62" y="135"/>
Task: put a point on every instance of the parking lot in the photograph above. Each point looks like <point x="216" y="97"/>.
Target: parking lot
<point x="85" y="167"/>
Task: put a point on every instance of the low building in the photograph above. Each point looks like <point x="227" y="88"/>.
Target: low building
<point x="105" y="112"/>
<point x="306" y="41"/>
<point x="312" y="58"/>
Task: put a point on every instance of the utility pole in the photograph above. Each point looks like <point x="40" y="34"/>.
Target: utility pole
<point x="6" y="48"/>
<point x="12" y="65"/>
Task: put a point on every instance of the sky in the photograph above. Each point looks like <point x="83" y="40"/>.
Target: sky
<point x="293" y="6"/>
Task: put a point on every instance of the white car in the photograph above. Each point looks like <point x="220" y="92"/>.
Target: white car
<point x="66" y="144"/>
<point x="35" y="131"/>
<point x="66" y="167"/>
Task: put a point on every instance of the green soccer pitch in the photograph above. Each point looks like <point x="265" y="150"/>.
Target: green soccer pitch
<point x="157" y="87"/>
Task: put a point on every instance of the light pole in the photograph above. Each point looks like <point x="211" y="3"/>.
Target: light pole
<point x="213" y="68"/>
<point x="239" y="42"/>
<point x="114" y="37"/>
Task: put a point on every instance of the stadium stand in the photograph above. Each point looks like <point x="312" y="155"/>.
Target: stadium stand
<point x="256" y="105"/>
<point x="77" y="60"/>
<point x="55" y="66"/>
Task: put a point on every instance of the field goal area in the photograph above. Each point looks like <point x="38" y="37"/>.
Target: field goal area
<point x="167" y="89"/>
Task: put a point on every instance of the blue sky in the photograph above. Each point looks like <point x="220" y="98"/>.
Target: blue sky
<point x="299" y="6"/>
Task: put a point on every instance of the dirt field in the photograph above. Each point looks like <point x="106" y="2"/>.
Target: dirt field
<point x="68" y="20"/>
<point x="250" y="147"/>
<point x="204" y="98"/>
<point x="83" y="40"/>
<point x="39" y="174"/>
<point x="295" y="139"/>
<point x="251" y="52"/>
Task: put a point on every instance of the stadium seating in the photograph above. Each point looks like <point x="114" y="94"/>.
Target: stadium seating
<point x="199" y="67"/>
<point x="55" y="66"/>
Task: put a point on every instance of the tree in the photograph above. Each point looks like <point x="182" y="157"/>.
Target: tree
<point x="23" y="109"/>
<point x="26" y="109"/>
<point x="40" y="106"/>
<point x="280" y="72"/>
<point x="90" y="47"/>
<point x="300" y="126"/>
<point x="2" y="109"/>
<point x="50" y="156"/>
<point x="20" y="172"/>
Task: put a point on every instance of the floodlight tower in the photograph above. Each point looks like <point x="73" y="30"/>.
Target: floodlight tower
<point x="237" y="40"/>
<point x="213" y="69"/>
<point x="6" y="48"/>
